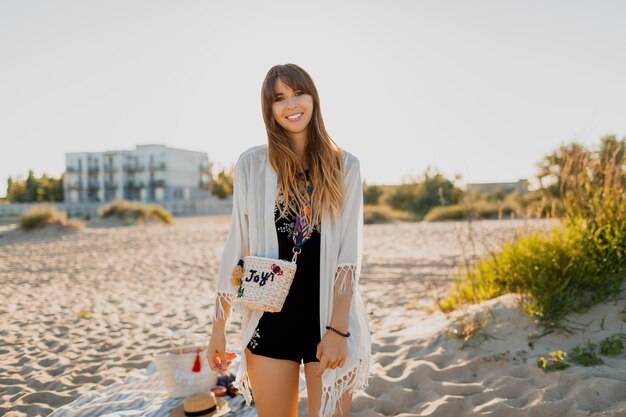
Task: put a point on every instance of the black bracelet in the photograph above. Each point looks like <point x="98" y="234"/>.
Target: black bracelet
<point x="338" y="332"/>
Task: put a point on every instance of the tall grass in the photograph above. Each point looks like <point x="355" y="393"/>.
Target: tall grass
<point x="576" y="264"/>
<point x="129" y="210"/>
<point x="45" y="215"/>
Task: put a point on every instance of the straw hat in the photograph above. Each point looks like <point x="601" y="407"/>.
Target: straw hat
<point x="201" y="404"/>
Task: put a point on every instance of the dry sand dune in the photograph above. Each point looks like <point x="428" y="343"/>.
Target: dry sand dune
<point x="81" y="309"/>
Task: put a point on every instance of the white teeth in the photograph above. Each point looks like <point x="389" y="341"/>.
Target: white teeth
<point x="295" y="116"/>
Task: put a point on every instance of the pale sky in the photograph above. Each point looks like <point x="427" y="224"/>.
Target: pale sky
<point x="480" y="88"/>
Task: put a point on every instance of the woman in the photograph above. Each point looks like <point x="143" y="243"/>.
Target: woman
<point x="300" y="177"/>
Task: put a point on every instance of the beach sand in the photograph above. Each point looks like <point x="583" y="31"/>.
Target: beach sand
<point x="81" y="309"/>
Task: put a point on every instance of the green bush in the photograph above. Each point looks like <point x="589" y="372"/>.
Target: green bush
<point x="129" y="210"/>
<point x="45" y="215"/>
<point x="420" y="196"/>
<point x="585" y="355"/>
<point x="611" y="346"/>
<point x="573" y="266"/>
<point x="371" y="194"/>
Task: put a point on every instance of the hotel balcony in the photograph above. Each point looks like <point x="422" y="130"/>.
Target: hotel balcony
<point x="134" y="167"/>
<point x="135" y="184"/>
<point x="157" y="183"/>
<point x="110" y="185"/>
<point x="93" y="170"/>
<point x="158" y="167"/>
<point x="94" y="185"/>
<point x="75" y="186"/>
<point x="110" y="167"/>
<point x="72" y="170"/>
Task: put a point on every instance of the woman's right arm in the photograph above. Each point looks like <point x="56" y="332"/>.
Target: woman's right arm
<point x="236" y="247"/>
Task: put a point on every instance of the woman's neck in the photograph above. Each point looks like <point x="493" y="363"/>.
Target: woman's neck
<point x="298" y="145"/>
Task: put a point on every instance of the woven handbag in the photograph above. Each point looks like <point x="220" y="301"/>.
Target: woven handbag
<point x="265" y="283"/>
<point x="185" y="370"/>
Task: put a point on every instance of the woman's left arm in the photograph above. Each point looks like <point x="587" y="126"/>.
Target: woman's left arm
<point x="332" y="350"/>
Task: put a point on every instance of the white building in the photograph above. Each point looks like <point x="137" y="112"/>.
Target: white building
<point x="150" y="173"/>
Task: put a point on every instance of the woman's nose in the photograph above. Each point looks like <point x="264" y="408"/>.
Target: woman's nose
<point x="291" y="102"/>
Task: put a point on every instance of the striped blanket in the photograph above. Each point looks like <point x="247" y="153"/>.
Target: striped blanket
<point x="142" y="394"/>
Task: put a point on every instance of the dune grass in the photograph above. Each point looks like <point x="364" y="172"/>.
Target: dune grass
<point x="39" y="217"/>
<point x="382" y="213"/>
<point x="132" y="211"/>
<point x="576" y="264"/>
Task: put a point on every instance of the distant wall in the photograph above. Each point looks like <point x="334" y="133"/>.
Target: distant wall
<point x="213" y="206"/>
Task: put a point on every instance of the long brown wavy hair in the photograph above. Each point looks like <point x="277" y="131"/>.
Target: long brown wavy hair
<point x="321" y="152"/>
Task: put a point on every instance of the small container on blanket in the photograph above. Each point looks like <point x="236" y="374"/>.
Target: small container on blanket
<point x="185" y="370"/>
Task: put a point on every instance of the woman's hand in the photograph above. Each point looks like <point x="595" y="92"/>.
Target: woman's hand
<point x="219" y="359"/>
<point x="331" y="352"/>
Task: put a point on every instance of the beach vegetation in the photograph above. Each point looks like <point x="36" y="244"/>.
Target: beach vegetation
<point x="33" y="189"/>
<point x="83" y="314"/>
<point x="577" y="263"/>
<point x="133" y="211"/>
<point x="38" y="217"/>
<point x="222" y="182"/>
<point x="611" y="346"/>
<point x="383" y="214"/>
<point x="555" y="360"/>
<point x="419" y="195"/>
<point x="585" y="355"/>
<point x="371" y="194"/>
<point x="470" y="329"/>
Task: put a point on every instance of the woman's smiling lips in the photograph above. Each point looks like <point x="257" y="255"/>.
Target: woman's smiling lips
<point x="297" y="117"/>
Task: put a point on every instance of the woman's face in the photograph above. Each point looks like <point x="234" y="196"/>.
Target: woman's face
<point x="292" y="109"/>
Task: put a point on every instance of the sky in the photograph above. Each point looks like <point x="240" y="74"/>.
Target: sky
<point x="481" y="89"/>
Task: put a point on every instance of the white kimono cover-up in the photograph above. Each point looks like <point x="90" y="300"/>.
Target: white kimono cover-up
<point x="253" y="232"/>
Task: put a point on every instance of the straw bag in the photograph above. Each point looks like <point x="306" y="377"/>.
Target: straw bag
<point x="265" y="283"/>
<point x="185" y="370"/>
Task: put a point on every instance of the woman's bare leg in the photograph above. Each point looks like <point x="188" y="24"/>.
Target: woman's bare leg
<point x="314" y="392"/>
<point x="274" y="384"/>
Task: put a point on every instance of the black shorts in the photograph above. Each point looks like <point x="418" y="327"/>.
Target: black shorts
<point x="294" y="332"/>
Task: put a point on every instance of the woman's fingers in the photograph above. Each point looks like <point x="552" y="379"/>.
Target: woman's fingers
<point x="323" y="365"/>
<point x="211" y="357"/>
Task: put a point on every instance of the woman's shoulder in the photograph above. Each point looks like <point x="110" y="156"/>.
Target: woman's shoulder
<point x="349" y="159"/>
<point x="258" y="151"/>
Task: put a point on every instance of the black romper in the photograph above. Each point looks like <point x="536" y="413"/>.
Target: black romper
<point x="294" y="332"/>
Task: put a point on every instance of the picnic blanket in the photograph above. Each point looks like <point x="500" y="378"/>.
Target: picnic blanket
<point x="143" y="394"/>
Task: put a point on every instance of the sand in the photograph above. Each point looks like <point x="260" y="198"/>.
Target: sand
<point x="81" y="309"/>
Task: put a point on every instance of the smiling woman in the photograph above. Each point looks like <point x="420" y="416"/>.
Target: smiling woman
<point x="300" y="189"/>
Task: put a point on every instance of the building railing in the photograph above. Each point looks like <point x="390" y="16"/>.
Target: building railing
<point x="110" y="185"/>
<point x="157" y="183"/>
<point x="110" y="167"/>
<point x="93" y="170"/>
<point x="135" y="184"/>
<point x="75" y="186"/>
<point x="134" y="167"/>
<point x="158" y="166"/>
<point x="72" y="170"/>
